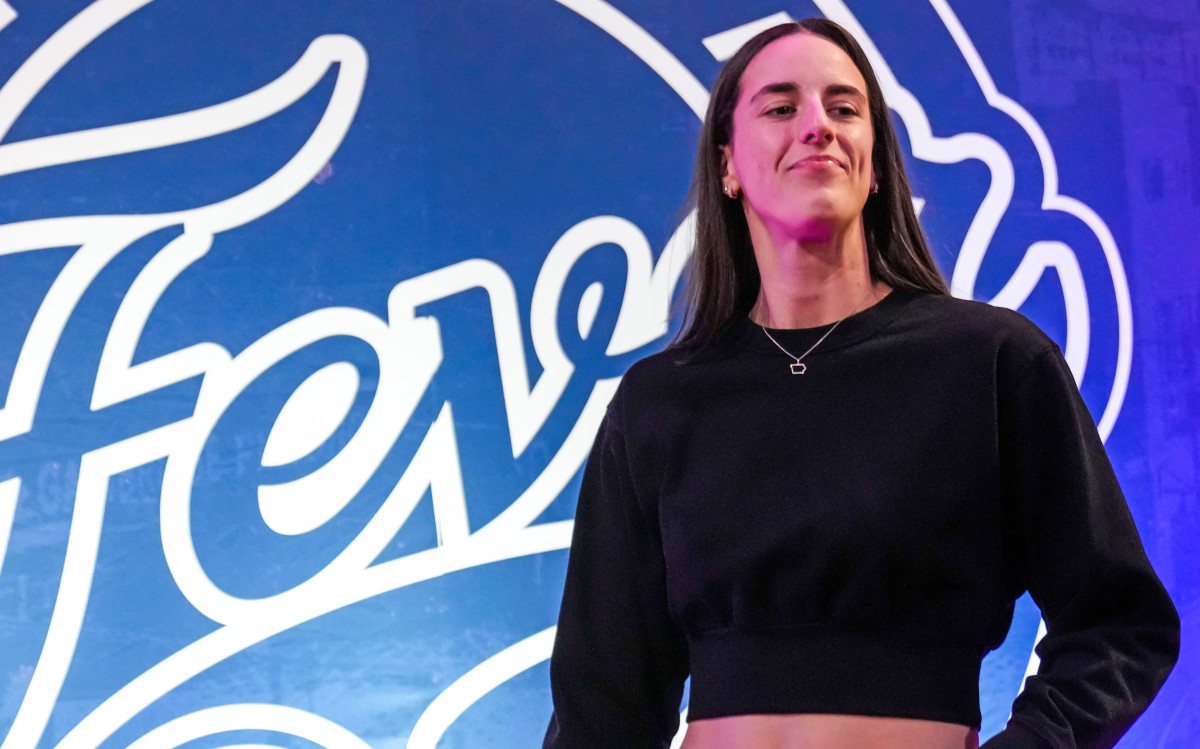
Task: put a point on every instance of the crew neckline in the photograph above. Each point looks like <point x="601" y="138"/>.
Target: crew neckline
<point x="855" y="328"/>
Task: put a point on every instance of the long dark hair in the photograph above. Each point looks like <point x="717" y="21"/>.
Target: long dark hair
<point x="722" y="275"/>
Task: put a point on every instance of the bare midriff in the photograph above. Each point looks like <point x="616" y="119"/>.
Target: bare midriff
<point x="818" y="731"/>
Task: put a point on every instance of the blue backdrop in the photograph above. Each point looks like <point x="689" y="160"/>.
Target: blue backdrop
<point x="311" y="310"/>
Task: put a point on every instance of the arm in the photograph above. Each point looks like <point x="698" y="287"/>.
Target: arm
<point x="1112" y="633"/>
<point x="619" y="662"/>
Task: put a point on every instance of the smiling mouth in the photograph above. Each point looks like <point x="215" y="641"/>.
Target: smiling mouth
<point x="816" y="161"/>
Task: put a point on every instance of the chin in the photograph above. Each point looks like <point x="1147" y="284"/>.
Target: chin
<point x="818" y="205"/>
<point x="811" y="217"/>
<point x="818" y="219"/>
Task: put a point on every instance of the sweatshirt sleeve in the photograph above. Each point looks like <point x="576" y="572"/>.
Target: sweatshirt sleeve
<point x="1112" y="632"/>
<point x="619" y="661"/>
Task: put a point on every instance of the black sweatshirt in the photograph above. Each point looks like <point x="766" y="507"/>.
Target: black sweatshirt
<point x="851" y="540"/>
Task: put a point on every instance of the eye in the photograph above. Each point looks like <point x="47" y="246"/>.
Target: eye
<point x="846" y="111"/>
<point x="782" y="109"/>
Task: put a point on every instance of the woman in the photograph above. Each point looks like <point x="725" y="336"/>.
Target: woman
<point x="824" y="498"/>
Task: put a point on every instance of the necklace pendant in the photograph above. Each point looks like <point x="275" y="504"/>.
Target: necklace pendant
<point x="798" y="368"/>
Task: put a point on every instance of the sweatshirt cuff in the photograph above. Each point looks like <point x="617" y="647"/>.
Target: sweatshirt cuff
<point x="1017" y="736"/>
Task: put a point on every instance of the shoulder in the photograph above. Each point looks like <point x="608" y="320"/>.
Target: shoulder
<point x="660" y="369"/>
<point x="965" y="326"/>
<point x="646" y="382"/>
<point x="659" y="395"/>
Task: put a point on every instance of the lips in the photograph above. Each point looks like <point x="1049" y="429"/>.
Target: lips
<point x="818" y="159"/>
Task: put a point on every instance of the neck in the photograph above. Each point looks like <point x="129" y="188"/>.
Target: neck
<point x="815" y="276"/>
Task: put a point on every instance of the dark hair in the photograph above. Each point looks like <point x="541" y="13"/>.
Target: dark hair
<point x="722" y="279"/>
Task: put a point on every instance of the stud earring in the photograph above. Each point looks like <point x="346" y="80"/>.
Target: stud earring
<point x="874" y="188"/>
<point x="729" y="193"/>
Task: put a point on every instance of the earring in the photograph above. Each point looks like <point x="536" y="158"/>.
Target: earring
<point x="874" y="188"/>
<point x="729" y="192"/>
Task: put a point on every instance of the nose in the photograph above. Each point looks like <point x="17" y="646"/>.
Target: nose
<point x="815" y="126"/>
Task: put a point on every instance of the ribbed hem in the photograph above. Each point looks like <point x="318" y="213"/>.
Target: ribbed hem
<point x="818" y="670"/>
<point x="1016" y="736"/>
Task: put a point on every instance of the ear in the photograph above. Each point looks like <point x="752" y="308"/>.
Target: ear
<point x="727" y="167"/>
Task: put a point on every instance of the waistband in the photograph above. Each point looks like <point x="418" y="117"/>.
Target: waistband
<point x="818" y="670"/>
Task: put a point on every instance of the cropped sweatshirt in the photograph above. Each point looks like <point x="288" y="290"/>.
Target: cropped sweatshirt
<point x="852" y="539"/>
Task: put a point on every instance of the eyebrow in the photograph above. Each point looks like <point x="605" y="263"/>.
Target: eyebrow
<point x="787" y="87"/>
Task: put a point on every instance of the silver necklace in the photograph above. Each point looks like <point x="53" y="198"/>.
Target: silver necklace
<point x="798" y="367"/>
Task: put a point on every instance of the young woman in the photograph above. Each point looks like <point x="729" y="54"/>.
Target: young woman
<point x="823" y="499"/>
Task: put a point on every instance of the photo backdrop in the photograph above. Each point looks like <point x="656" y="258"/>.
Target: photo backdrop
<point x="310" y="312"/>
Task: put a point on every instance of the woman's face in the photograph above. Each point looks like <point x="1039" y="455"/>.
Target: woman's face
<point x="801" y="149"/>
